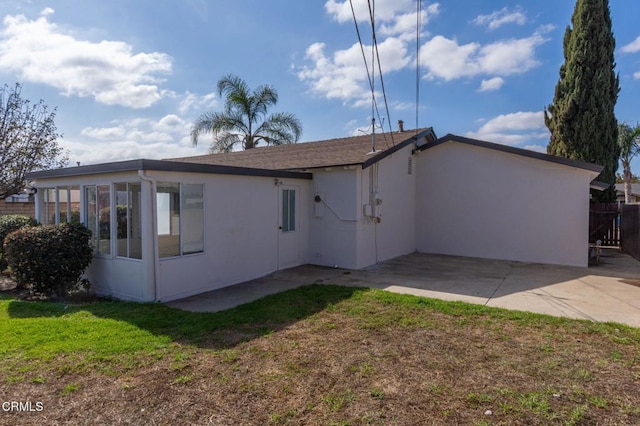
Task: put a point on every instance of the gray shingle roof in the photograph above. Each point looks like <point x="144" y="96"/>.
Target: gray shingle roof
<point x="309" y="155"/>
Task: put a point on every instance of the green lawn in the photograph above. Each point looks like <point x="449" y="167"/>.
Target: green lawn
<point x="316" y="355"/>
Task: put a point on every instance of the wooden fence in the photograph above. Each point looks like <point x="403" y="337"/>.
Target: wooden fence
<point x="604" y="223"/>
<point x="630" y="229"/>
<point x="26" y="209"/>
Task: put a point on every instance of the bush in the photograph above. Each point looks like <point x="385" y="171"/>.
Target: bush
<point x="49" y="259"/>
<point x="8" y="224"/>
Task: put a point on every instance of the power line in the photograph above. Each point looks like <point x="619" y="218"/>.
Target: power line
<point x="418" y="26"/>
<point x="371" y="82"/>
<point x="375" y="44"/>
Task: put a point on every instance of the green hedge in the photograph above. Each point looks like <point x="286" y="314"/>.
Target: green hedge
<point x="49" y="259"/>
<point x="8" y="224"/>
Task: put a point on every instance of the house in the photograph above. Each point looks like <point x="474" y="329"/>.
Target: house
<point x="635" y="192"/>
<point x="168" y="229"/>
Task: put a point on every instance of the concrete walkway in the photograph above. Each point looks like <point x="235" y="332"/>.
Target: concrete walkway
<point x="607" y="292"/>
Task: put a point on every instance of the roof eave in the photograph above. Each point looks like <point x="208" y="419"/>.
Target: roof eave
<point x="163" y="165"/>
<point x="384" y="154"/>
<point x="593" y="168"/>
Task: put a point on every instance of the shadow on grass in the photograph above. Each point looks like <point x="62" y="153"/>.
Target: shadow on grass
<point x="219" y="330"/>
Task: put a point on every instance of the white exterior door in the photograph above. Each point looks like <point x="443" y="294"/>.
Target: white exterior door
<point x="288" y="232"/>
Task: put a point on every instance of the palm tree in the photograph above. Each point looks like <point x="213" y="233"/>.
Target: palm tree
<point x="244" y="119"/>
<point x="629" y="143"/>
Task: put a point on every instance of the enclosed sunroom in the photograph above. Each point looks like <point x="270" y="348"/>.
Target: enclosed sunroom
<point x="162" y="230"/>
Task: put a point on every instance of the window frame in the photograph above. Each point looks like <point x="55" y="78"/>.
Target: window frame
<point x="178" y="199"/>
<point x="129" y="229"/>
<point x="289" y="212"/>
<point x="95" y="227"/>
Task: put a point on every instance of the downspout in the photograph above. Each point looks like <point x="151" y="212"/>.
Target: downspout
<point x="154" y="234"/>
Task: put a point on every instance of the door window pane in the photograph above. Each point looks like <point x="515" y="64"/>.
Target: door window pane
<point x="288" y="210"/>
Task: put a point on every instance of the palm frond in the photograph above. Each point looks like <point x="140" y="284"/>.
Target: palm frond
<point x="243" y="110"/>
<point x="216" y="122"/>
<point x="224" y="142"/>
<point x="628" y="141"/>
<point x="232" y="86"/>
<point x="280" y="128"/>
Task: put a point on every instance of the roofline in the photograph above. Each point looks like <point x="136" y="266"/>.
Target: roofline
<point x="164" y="166"/>
<point x="384" y="154"/>
<point x="517" y="151"/>
<point x="599" y="186"/>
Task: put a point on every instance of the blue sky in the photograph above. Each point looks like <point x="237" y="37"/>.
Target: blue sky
<point x="129" y="77"/>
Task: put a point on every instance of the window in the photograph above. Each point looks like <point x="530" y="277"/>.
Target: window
<point x="69" y="204"/>
<point x="180" y="213"/>
<point x="288" y="210"/>
<point x="61" y="205"/>
<point x="193" y="219"/>
<point x="98" y="217"/>
<point x="48" y="213"/>
<point x="129" y="219"/>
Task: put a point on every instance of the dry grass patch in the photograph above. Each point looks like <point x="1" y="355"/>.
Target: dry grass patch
<point x="316" y="355"/>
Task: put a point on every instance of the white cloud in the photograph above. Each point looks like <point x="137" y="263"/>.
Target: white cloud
<point x="386" y="10"/>
<point x="492" y="84"/>
<point x="446" y="59"/>
<point x="404" y="25"/>
<point x="100" y="152"/>
<point x="170" y="123"/>
<point x="103" y="133"/>
<point x="192" y="101"/>
<point x="167" y="137"/>
<point x="343" y="75"/>
<point x="632" y="47"/>
<point x="501" y="17"/>
<point x="513" y="129"/>
<point x="109" y="71"/>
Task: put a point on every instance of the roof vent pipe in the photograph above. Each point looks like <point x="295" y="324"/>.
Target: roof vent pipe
<point x="400" y="126"/>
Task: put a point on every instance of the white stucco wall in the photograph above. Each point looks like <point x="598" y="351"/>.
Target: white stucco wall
<point x="241" y="233"/>
<point x="242" y="236"/>
<point x="479" y="202"/>
<point x="394" y="234"/>
<point x="334" y="219"/>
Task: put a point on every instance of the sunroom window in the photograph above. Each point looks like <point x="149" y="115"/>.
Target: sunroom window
<point x="98" y="217"/>
<point x="129" y="220"/>
<point x="61" y="205"/>
<point x="180" y="214"/>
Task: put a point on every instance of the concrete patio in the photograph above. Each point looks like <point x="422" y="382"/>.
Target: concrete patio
<point x="607" y="292"/>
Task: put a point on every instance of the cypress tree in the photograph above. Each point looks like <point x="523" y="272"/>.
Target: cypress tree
<point x="581" y="118"/>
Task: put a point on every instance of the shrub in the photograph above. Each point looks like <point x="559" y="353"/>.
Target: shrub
<point x="8" y="224"/>
<point x="49" y="259"/>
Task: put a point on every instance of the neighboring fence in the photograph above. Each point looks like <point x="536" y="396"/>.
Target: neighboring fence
<point x="604" y="223"/>
<point x="23" y="208"/>
<point x="630" y="229"/>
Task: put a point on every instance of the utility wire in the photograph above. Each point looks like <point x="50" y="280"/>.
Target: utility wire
<point x="375" y="44"/>
<point x="418" y="26"/>
<point x="364" y="58"/>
